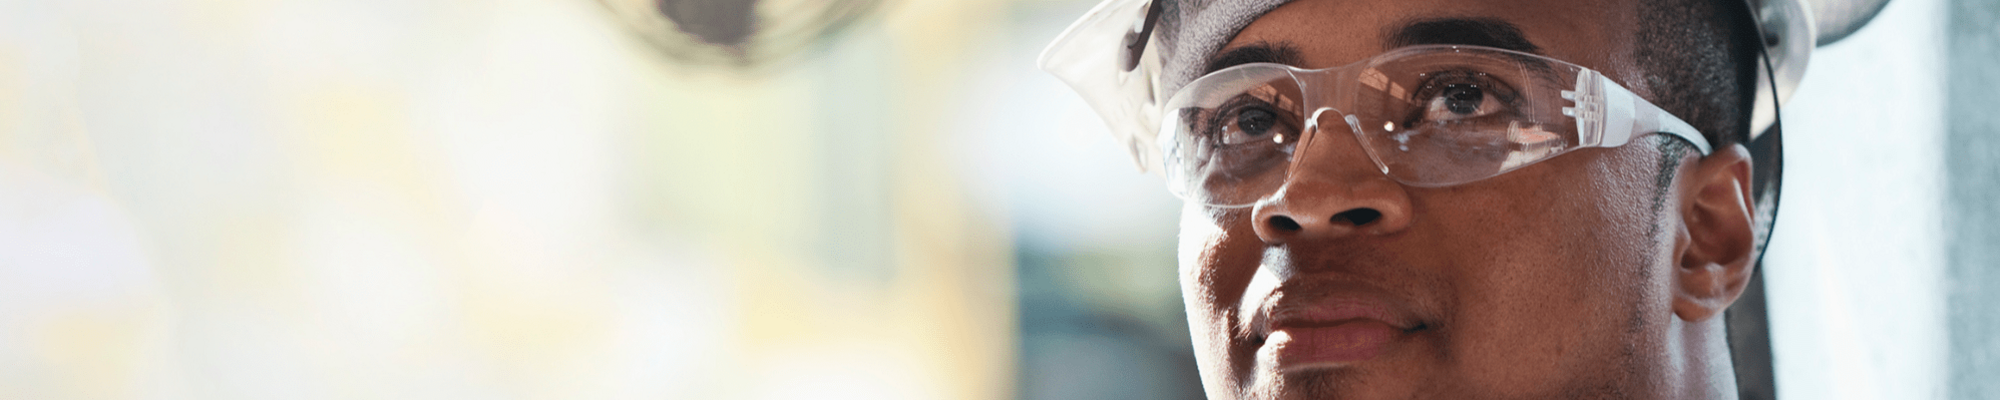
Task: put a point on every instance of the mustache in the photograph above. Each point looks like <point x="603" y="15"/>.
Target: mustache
<point x="1282" y="287"/>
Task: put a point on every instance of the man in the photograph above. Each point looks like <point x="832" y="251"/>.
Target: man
<point x="1435" y="199"/>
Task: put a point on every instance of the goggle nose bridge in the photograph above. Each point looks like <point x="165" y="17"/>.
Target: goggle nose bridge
<point x="1323" y="90"/>
<point x="1313" y="134"/>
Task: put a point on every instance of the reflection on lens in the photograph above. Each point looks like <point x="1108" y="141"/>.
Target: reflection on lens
<point x="1462" y="99"/>
<point x="1234" y="132"/>
<point x="1426" y="115"/>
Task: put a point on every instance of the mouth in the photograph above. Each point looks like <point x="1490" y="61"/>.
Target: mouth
<point x="1335" y="328"/>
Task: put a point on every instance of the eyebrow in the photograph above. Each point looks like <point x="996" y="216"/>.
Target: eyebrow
<point x="1259" y="52"/>
<point x="1487" y="32"/>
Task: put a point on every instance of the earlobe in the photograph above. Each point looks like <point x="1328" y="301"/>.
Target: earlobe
<point x="1715" y="243"/>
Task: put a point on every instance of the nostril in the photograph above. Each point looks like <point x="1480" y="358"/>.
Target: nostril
<point x="1285" y="223"/>
<point x="1358" y="216"/>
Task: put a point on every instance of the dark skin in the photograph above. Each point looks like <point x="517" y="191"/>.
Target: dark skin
<point x="1558" y="280"/>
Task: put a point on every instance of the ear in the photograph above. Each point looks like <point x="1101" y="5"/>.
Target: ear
<point x="1715" y="245"/>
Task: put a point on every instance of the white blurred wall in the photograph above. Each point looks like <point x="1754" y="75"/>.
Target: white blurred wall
<point x="507" y="199"/>
<point x="1856" y="262"/>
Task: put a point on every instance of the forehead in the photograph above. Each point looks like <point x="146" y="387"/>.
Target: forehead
<point x="1328" y="33"/>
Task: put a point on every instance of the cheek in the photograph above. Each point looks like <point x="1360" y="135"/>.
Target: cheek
<point x="1556" y="277"/>
<point x="1203" y="272"/>
<point x="1218" y="255"/>
<point x="1199" y="238"/>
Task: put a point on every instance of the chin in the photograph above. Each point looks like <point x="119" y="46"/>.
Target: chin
<point x="1309" y="383"/>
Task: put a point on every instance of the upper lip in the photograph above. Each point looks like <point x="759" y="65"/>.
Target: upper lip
<point x="1290" y="306"/>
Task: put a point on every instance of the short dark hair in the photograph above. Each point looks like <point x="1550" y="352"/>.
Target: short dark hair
<point x="1700" y="60"/>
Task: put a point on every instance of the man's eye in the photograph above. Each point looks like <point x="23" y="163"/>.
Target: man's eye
<point x="1461" y="101"/>
<point x="1454" y="96"/>
<point x="1253" y="123"/>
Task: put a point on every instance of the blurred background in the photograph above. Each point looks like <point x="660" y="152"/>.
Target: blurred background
<point x="867" y="199"/>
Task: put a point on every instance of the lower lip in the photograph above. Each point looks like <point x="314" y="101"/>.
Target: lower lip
<point x="1341" y="344"/>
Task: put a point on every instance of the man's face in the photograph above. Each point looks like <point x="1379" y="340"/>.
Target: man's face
<point x="1551" y="281"/>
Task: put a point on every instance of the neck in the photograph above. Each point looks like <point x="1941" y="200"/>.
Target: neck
<point x="1699" y="364"/>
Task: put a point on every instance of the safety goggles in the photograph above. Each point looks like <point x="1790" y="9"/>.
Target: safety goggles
<point x="1427" y="116"/>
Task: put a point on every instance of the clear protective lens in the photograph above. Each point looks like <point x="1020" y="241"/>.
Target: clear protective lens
<point x="1428" y="116"/>
<point x="1437" y="118"/>
<point x="1228" y="138"/>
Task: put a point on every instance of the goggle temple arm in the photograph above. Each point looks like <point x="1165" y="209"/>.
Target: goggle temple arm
<point x="1608" y="115"/>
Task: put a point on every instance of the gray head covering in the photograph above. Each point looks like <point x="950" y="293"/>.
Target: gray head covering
<point x="1189" y="31"/>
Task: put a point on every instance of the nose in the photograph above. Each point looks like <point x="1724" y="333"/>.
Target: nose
<point x="1333" y="191"/>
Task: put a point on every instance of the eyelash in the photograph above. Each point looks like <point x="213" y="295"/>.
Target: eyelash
<point x="1217" y="122"/>
<point x="1437" y="81"/>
